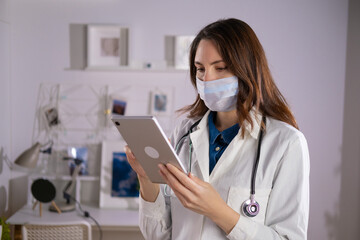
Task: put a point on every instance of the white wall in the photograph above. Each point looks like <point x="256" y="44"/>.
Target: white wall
<point x="5" y="119"/>
<point x="305" y="42"/>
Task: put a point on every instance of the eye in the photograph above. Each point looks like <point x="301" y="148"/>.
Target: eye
<point x="200" y="69"/>
<point x="221" y="68"/>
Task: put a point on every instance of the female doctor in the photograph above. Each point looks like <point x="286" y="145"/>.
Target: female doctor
<point x="248" y="163"/>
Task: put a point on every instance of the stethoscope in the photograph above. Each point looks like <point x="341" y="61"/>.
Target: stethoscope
<point x="250" y="207"/>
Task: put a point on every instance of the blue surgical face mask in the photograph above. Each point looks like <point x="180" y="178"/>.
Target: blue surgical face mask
<point x="219" y="95"/>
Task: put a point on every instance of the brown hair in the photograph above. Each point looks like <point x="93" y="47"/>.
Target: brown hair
<point x="245" y="58"/>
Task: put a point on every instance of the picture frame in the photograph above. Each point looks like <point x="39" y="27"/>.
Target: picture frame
<point x="177" y="49"/>
<point x="161" y="102"/>
<point x="107" y="46"/>
<point x="50" y="117"/>
<point x="118" y="105"/>
<point x="78" y="153"/>
<point x="126" y="197"/>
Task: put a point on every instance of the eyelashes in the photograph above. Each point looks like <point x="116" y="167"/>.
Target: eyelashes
<point x="218" y="69"/>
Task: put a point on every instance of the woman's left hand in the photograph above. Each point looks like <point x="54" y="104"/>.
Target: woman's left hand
<point x="199" y="196"/>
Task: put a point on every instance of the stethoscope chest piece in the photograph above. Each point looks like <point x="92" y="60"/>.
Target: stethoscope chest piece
<point x="250" y="207"/>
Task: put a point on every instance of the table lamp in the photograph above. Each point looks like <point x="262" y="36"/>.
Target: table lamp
<point x="69" y="205"/>
<point x="29" y="158"/>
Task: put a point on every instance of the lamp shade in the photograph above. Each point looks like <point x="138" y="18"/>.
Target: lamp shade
<point x="30" y="157"/>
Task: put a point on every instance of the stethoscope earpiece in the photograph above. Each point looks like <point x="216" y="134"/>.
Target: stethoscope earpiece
<point x="250" y="207"/>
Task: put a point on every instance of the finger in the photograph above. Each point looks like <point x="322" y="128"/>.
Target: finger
<point x="164" y="177"/>
<point x="173" y="182"/>
<point x="164" y="173"/>
<point x="135" y="165"/>
<point x="196" y="179"/>
<point x="183" y="198"/>
<point x="183" y="178"/>
<point x="128" y="151"/>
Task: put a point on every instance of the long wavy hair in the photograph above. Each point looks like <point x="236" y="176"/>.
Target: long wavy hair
<point x="244" y="56"/>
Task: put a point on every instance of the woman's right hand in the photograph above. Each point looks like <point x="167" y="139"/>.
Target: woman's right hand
<point x="149" y="190"/>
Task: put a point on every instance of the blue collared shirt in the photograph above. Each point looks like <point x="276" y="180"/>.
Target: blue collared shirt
<point x="218" y="141"/>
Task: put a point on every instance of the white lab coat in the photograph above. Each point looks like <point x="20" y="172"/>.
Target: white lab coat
<point x="282" y="185"/>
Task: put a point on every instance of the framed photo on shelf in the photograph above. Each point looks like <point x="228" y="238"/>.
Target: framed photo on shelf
<point x="177" y="50"/>
<point x="119" y="187"/>
<point x="80" y="153"/>
<point x="107" y="46"/>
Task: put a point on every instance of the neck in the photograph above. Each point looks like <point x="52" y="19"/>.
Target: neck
<point x="225" y="120"/>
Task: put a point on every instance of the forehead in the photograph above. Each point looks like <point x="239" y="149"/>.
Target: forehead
<point x="207" y="52"/>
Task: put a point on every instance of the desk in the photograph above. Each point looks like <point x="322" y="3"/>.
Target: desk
<point x="115" y="223"/>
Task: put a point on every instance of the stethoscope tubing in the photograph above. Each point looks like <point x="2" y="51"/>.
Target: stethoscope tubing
<point x="257" y="159"/>
<point x="254" y="170"/>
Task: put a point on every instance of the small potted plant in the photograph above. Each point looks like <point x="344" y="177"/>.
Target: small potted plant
<point x="4" y="229"/>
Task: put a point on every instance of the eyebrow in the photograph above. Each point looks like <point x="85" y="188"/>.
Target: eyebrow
<point x="215" y="62"/>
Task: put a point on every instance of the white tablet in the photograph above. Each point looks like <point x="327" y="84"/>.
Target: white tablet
<point x="148" y="142"/>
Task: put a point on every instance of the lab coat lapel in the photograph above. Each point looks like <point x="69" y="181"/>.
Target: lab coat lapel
<point x="200" y="141"/>
<point x="230" y="155"/>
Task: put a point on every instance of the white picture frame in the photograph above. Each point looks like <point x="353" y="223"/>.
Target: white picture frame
<point x="107" y="46"/>
<point x="105" y="198"/>
<point x="177" y="49"/>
